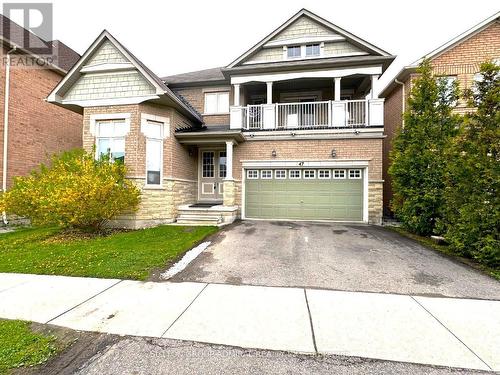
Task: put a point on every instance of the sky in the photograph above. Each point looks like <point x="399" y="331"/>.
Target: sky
<point x="173" y="37"/>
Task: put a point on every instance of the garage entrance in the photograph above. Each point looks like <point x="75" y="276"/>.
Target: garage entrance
<point x="304" y="194"/>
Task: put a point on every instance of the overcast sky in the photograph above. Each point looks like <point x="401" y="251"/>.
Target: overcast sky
<point x="179" y="36"/>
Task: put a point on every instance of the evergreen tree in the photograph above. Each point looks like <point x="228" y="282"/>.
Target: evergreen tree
<point x="473" y="178"/>
<point x="418" y="162"/>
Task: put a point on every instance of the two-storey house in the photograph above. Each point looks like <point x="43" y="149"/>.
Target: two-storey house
<point x="290" y="130"/>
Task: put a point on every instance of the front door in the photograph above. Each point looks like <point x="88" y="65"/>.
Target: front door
<point x="212" y="174"/>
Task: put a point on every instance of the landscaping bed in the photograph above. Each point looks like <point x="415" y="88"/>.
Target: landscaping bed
<point x="130" y="254"/>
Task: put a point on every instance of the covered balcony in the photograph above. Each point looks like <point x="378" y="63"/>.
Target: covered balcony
<point x="307" y="103"/>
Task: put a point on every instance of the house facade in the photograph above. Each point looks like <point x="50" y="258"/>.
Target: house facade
<point x="290" y="130"/>
<point x="457" y="60"/>
<point x="30" y="128"/>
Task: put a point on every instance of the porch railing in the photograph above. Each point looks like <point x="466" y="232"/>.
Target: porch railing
<point x="308" y="115"/>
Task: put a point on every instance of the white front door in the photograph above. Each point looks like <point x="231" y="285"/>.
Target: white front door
<point x="212" y="174"/>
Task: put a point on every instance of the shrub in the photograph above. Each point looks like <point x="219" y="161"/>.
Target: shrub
<point x="418" y="162"/>
<point x="74" y="191"/>
<point x="472" y="192"/>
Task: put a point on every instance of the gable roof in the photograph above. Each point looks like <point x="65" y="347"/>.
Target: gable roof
<point x="64" y="57"/>
<point x="407" y="70"/>
<point x="306" y="13"/>
<point x="153" y="79"/>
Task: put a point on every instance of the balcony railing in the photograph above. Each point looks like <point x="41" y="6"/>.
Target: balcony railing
<point x="309" y="115"/>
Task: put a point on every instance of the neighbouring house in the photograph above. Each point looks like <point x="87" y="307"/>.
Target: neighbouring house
<point x="457" y="60"/>
<point x="30" y="128"/>
<point x="290" y="130"/>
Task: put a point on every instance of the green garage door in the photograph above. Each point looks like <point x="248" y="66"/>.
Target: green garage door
<point x="304" y="194"/>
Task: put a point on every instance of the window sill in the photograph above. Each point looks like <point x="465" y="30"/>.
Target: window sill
<point x="154" y="187"/>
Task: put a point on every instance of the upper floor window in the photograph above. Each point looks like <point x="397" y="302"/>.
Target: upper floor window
<point x="293" y="52"/>
<point x="312" y="49"/>
<point x="216" y="102"/>
<point x="449" y="82"/>
<point x="110" y="140"/>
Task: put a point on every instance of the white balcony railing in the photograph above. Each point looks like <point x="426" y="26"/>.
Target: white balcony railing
<point x="308" y="115"/>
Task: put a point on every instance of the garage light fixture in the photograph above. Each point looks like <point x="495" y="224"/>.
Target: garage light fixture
<point x="334" y="154"/>
<point x="273" y="153"/>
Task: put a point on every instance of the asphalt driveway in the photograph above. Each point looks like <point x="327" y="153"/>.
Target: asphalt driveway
<point x="333" y="256"/>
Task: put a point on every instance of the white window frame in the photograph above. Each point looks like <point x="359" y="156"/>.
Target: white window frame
<point x="95" y="120"/>
<point x="339" y="178"/>
<point x="266" y="174"/>
<point x="250" y="172"/>
<point x="328" y="171"/>
<point x="313" y="44"/>
<point x="277" y="177"/>
<point x="299" y="177"/>
<point x="163" y="122"/>
<point x="218" y="110"/>
<point x="293" y="47"/>
<point x="308" y="171"/>
<point x="355" y="171"/>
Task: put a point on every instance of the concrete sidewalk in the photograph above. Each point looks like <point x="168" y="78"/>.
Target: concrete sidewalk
<point x="437" y="331"/>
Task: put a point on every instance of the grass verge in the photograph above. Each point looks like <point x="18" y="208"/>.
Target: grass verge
<point x="124" y="255"/>
<point x="445" y="249"/>
<point x="21" y="347"/>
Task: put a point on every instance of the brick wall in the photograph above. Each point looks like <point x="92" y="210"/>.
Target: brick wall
<point x="196" y="97"/>
<point x="365" y="149"/>
<point x="36" y="128"/>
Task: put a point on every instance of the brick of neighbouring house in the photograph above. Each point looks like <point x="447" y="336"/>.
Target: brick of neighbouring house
<point x="37" y="129"/>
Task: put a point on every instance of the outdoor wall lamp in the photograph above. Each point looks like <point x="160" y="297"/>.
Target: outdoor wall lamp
<point x="273" y="153"/>
<point x="334" y="153"/>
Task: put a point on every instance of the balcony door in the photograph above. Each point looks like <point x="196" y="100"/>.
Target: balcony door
<point x="300" y="115"/>
<point x="212" y="171"/>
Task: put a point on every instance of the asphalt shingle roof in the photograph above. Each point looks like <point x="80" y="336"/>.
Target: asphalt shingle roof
<point x="206" y="75"/>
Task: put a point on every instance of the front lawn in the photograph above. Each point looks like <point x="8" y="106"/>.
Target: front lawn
<point x="21" y="347"/>
<point x="125" y="255"/>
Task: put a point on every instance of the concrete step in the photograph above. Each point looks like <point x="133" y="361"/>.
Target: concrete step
<point x="194" y="219"/>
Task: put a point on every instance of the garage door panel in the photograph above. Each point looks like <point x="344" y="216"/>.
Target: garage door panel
<point x="308" y="199"/>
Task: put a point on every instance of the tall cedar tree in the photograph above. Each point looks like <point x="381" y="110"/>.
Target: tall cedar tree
<point x="418" y="161"/>
<point x="473" y="178"/>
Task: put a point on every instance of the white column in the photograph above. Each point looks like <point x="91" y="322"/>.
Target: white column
<point x="269" y="92"/>
<point x="372" y="92"/>
<point x="337" y="88"/>
<point x="229" y="160"/>
<point x="236" y="101"/>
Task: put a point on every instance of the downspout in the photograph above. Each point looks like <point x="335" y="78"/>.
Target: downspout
<point x="6" y="128"/>
<point x="403" y="101"/>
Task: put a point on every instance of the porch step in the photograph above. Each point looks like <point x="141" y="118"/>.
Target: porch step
<point x="196" y="219"/>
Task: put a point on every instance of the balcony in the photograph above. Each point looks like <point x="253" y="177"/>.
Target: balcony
<point x="309" y="115"/>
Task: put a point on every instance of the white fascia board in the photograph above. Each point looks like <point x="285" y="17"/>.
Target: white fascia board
<point x="458" y="39"/>
<point x="326" y="73"/>
<point x="107" y="102"/>
<point x="304" y="163"/>
<point x="303" y="40"/>
<point x="306" y="58"/>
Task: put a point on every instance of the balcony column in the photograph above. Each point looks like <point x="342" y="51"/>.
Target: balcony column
<point x="229" y="192"/>
<point x="236" y="101"/>
<point x="269" y="92"/>
<point x="372" y="92"/>
<point x="337" y="89"/>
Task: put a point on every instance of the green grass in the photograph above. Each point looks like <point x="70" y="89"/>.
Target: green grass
<point x="21" y="347"/>
<point x="126" y="255"/>
<point x="445" y="249"/>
